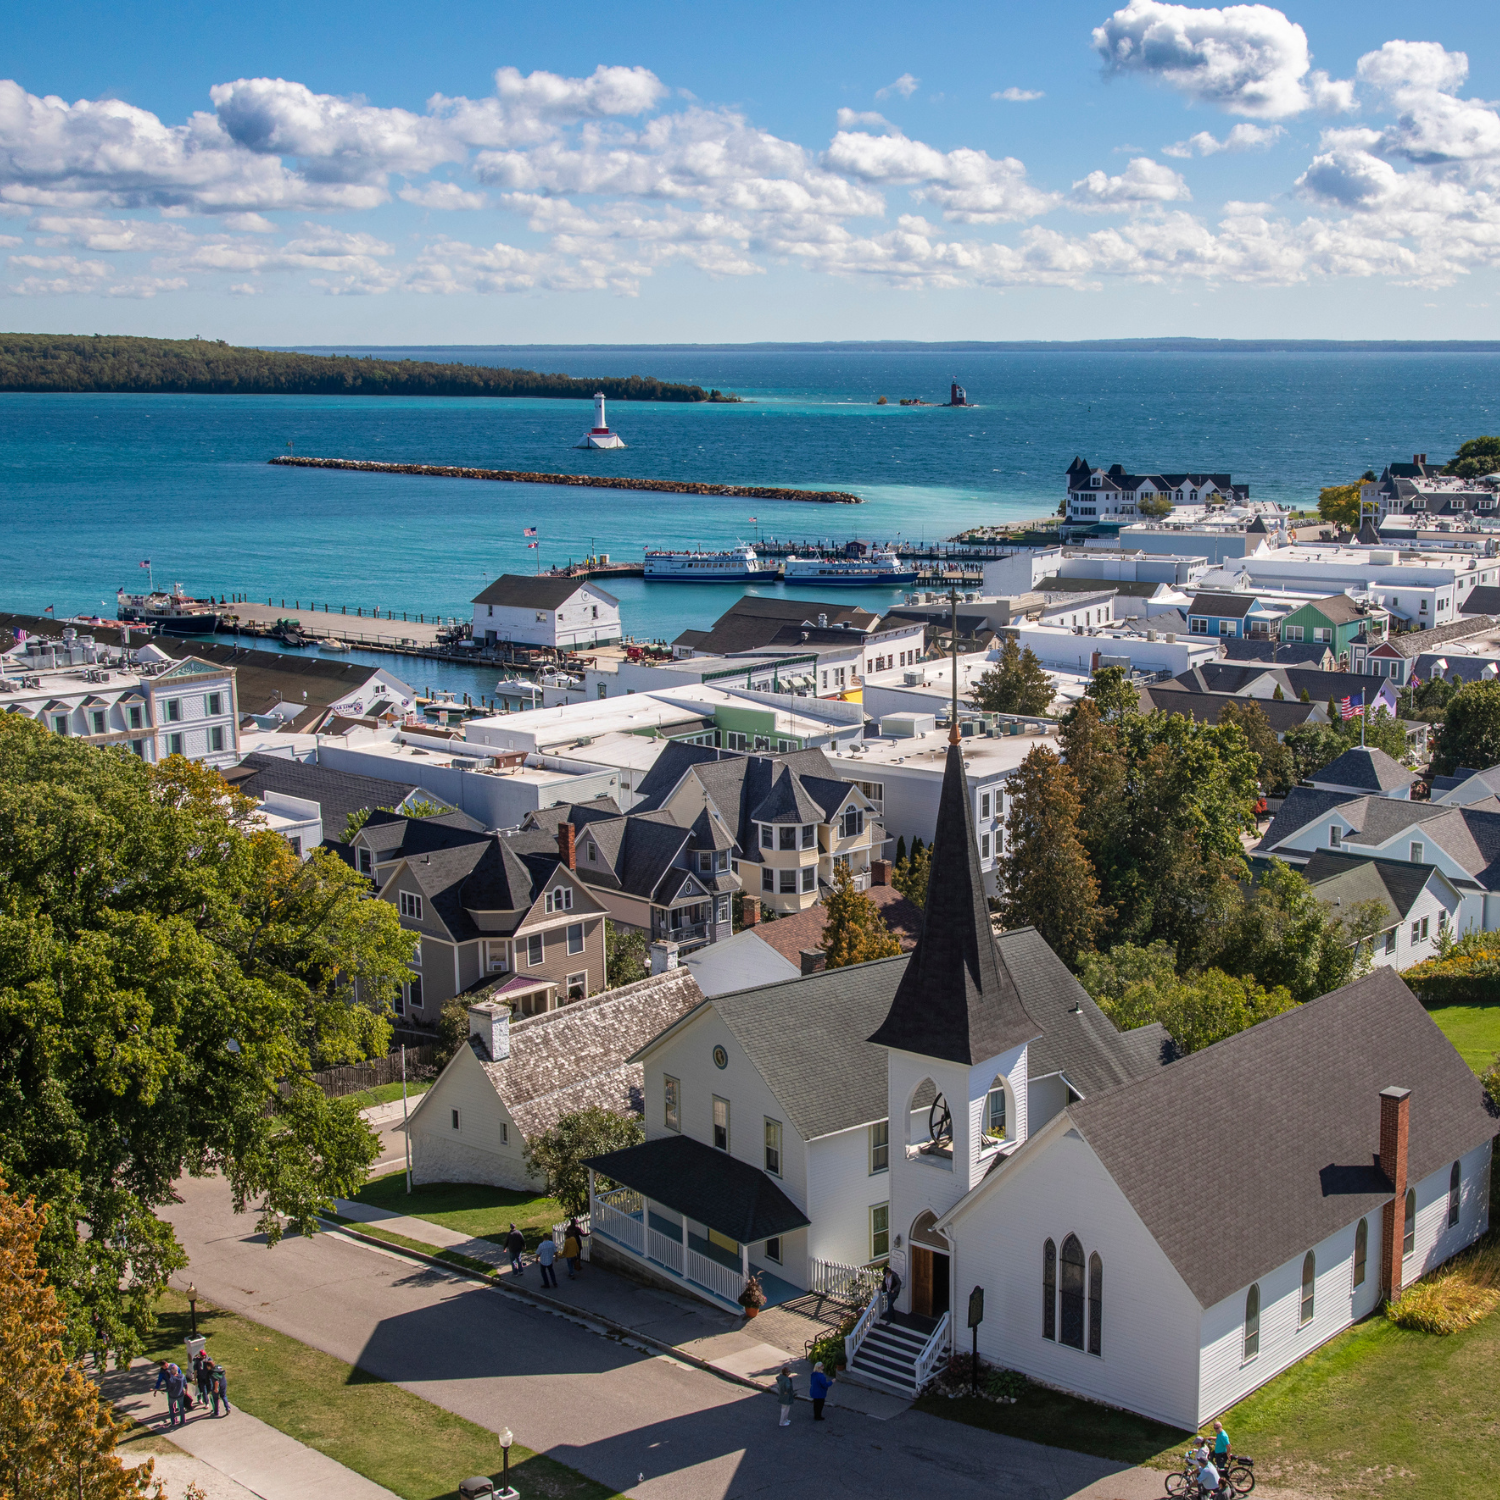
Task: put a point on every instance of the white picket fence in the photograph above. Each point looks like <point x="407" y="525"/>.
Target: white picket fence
<point x="855" y="1285"/>
<point x="560" y="1234"/>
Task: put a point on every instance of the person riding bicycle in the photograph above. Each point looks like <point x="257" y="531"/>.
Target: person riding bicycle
<point x="1208" y="1478"/>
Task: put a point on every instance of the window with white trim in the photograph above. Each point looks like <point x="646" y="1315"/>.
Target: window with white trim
<point x="773" y="1147"/>
<point x="767" y="878"/>
<point x="721" y="1123"/>
<point x="809" y="879"/>
<point x="671" y="1102"/>
<point x="533" y="950"/>
<point x="880" y="1230"/>
<point x="411" y="906"/>
<point x="560" y="898"/>
<point x="575" y="937"/>
<point x="880" y="1147"/>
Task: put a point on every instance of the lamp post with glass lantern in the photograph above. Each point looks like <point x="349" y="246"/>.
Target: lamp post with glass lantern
<point x="506" y="1492"/>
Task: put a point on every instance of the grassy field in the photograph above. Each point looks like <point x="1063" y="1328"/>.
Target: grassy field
<point x="388" y="1093"/>
<point x="481" y="1212"/>
<point x="1473" y="1029"/>
<point x="385" y="1433"/>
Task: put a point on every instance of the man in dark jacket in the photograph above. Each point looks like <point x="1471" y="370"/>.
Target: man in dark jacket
<point x="170" y="1376"/>
<point x="220" y="1387"/>
<point x="515" y="1247"/>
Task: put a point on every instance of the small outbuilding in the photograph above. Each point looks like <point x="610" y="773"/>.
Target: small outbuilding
<point x="568" y="614"/>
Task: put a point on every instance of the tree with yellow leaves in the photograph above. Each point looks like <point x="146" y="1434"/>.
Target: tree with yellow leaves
<point x="57" y="1434"/>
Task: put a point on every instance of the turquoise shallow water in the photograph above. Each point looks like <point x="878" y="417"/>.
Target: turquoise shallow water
<point x="90" y="485"/>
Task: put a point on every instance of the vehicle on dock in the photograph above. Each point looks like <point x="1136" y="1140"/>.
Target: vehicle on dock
<point x="706" y="567"/>
<point x="879" y="568"/>
<point x="289" y="632"/>
<point x="173" y="614"/>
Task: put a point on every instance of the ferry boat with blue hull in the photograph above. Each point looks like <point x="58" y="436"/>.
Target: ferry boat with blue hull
<point x="735" y="566"/>
<point x="879" y="569"/>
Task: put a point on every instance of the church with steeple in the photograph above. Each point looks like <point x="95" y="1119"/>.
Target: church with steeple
<point x="1149" y="1231"/>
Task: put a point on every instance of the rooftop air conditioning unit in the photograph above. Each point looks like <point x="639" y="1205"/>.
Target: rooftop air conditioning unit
<point x="1171" y="638"/>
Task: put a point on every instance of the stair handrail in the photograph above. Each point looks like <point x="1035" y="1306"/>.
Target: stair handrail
<point x="932" y="1351"/>
<point x="857" y="1335"/>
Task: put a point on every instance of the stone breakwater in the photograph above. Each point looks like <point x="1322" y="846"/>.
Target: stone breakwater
<point x="590" y="481"/>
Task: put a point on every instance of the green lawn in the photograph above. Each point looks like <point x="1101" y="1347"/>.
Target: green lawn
<point x="413" y="1448"/>
<point x="481" y="1212"/>
<point x="1473" y="1029"/>
<point x="388" y="1093"/>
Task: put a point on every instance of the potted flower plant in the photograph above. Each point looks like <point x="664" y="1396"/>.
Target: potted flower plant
<point x="753" y="1298"/>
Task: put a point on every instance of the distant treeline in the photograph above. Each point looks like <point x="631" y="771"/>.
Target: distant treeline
<point x="105" y="362"/>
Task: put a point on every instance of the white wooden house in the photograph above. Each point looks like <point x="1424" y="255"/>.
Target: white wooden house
<point x="1156" y="1234"/>
<point x="569" y="614"/>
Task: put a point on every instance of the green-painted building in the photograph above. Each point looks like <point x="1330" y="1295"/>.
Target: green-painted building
<point x="1334" y="622"/>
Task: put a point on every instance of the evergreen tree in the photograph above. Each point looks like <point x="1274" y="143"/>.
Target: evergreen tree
<point x="1273" y="758"/>
<point x="901" y="850"/>
<point x="1016" y="684"/>
<point x="1278" y="696"/>
<point x="57" y="1434"/>
<point x="1111" y="689"/>
<point x="910" y="876"/>
<point x="1048" y="879"/>
<point x="855" y="932"/>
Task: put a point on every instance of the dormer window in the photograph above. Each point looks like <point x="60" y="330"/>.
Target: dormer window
<point x="1094" y="480"/>
<point x="560" y="898"/>
<point x="853" y="823"/>
<point x="1417" y="851"/>
<point x="1335" y="836"/>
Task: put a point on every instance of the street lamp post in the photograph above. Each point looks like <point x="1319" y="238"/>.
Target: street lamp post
<point x="506" y="1492"/>
<point x="192" y="1296"/>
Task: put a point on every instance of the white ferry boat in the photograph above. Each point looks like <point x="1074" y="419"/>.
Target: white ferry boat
<point x="877" y="570"/>
<point x="706" y="567"/>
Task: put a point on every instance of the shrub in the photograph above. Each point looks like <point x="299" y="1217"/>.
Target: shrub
<point x="1005" y="1385"/>
<point x="1455" y="1296"/>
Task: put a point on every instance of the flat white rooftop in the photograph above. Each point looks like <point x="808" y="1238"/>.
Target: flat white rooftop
<point x="926" y="755"/>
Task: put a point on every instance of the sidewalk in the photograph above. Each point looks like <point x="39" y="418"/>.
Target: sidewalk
<point x="694" y="1329"/>
<point x="258" y="1458"/>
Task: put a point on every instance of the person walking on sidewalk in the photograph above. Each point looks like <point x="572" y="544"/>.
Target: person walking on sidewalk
<point x="515" y="1247"/>
<point x="572" y="1250"/>
<point x="786" y="1393"/>
<point x="818" y="1388"/>
<point x="220" y="1388"/>
<point x="546" y="1253"/>
<point x="202" y="1376"/>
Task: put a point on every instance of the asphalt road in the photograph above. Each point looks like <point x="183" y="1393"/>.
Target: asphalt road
<point x="642" y="1423"/>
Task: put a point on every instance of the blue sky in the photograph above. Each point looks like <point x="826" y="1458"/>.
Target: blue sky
<point x="672" y="172"/>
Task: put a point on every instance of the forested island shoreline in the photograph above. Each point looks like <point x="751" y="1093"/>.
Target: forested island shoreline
<point x="111" y="363"/>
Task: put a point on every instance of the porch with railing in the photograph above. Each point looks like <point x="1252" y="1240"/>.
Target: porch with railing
<point x="625" y="1218"/>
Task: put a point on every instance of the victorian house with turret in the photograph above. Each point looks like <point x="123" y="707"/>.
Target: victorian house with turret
<point x="966" y="1115"/>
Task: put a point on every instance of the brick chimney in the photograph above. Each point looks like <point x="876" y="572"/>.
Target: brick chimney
<point x="750" y="912"/>
<point x="814" y="960"/>
<point x="567" y="846"/>
<point x="1395" y="1111"/>
<point x="880" y="872"/>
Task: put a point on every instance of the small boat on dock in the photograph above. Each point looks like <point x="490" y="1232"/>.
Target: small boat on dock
<point x="331" y="647"/>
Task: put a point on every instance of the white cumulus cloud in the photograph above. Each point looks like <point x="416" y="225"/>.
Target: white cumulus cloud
<point x="1246" y="59"/>
<point x="905" y="85"/>
<point x="1018" y="96"/>
<point x="445" y="195"/>
<point x="1143" y="184"/>
<point x="1242" y="137"/>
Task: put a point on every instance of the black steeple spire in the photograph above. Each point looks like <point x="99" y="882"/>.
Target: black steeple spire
<point x="957" y="999"/>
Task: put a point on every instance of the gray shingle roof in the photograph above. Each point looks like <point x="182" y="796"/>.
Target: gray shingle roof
<point x="1366" y="768"/>
<point x="1348" y="878"/>
<point x="1412" y="643"/>
<point x="1485" y="600"/>
<point x="1222" y="606"/>
<point x="1317" y="1071"/>
<point x="337" y="793"/>
<point x="787" y="802"/>
<point x="1303" y="805"/>
<point x="524" y="591"/>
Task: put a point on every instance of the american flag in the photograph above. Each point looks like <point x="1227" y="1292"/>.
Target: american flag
<point x="530" y="531"/>
<point x="147" y="563"/>
<point x="1350" y="709"/>
<point x="1415" y="680"/>
<point x="751" y="520"/>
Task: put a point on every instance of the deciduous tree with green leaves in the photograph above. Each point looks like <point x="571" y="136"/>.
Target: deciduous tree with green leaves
<point x="1111" y="690"/>
<point x="1471" y="729"/>
<point x="1049" y="881"/>
<point x="1198" y="1009"/>
<point x="855" y="932"/>
<point x="1273" y="758"/>
<point x="1476" y="457"/>
<point x="1339" y="505"/>
<point x="627" y="955"/>
<point x="170" y="975"/>
<point x="560" y="1153"/>
<point x="1016" y="684"/>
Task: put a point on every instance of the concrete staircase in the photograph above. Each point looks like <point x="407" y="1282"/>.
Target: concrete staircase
<point x="887" y="1359"/>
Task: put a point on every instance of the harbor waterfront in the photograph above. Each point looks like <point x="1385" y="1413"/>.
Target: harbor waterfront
<point x="92" y="485"/>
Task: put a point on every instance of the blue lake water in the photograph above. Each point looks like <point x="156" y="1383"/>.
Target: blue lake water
<point x="91" y="485"/>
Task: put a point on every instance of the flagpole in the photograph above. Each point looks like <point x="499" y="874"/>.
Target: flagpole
<point x="1362" y="717"/>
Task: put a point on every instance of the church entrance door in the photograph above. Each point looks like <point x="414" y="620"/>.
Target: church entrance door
<point x="929" y="1282"/>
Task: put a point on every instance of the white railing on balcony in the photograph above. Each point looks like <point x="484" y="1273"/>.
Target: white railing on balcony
<point x="857" y="1336"/>
<point x="664" y="1250"/>
<point x="934" y="1353"/>
<point x="852" y="1284"/>
<point x="626" y="1228"/>
<point x="721" y="1280"/>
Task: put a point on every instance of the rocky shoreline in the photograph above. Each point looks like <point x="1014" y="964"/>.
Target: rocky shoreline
<point x="591" y="481"/>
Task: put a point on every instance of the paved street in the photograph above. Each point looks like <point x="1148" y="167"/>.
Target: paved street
<point x="641" y="1423"/>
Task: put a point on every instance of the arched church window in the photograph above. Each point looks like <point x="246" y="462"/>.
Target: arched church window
<point x="1096" y="1304"/>
<point x="1309" y="1288"/>
<point x="1409" y="1237"/>
<point x="1455" y="1187"/>
<point x="1361" y="1251"/>
<point x="995" y="1121"/>
<point x="1071" y="1288"/>
<point x="1049" y="1290"/>
<point x="1252" y="1322"/>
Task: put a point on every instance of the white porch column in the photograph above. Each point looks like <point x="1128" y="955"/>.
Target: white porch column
<point x="684" y="1245"/>
<point x="592" y="1209"/>
<point x="745" y="1261"/>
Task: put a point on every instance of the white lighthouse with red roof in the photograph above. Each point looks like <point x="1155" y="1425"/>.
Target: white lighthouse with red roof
<point x="599" y="436"/>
